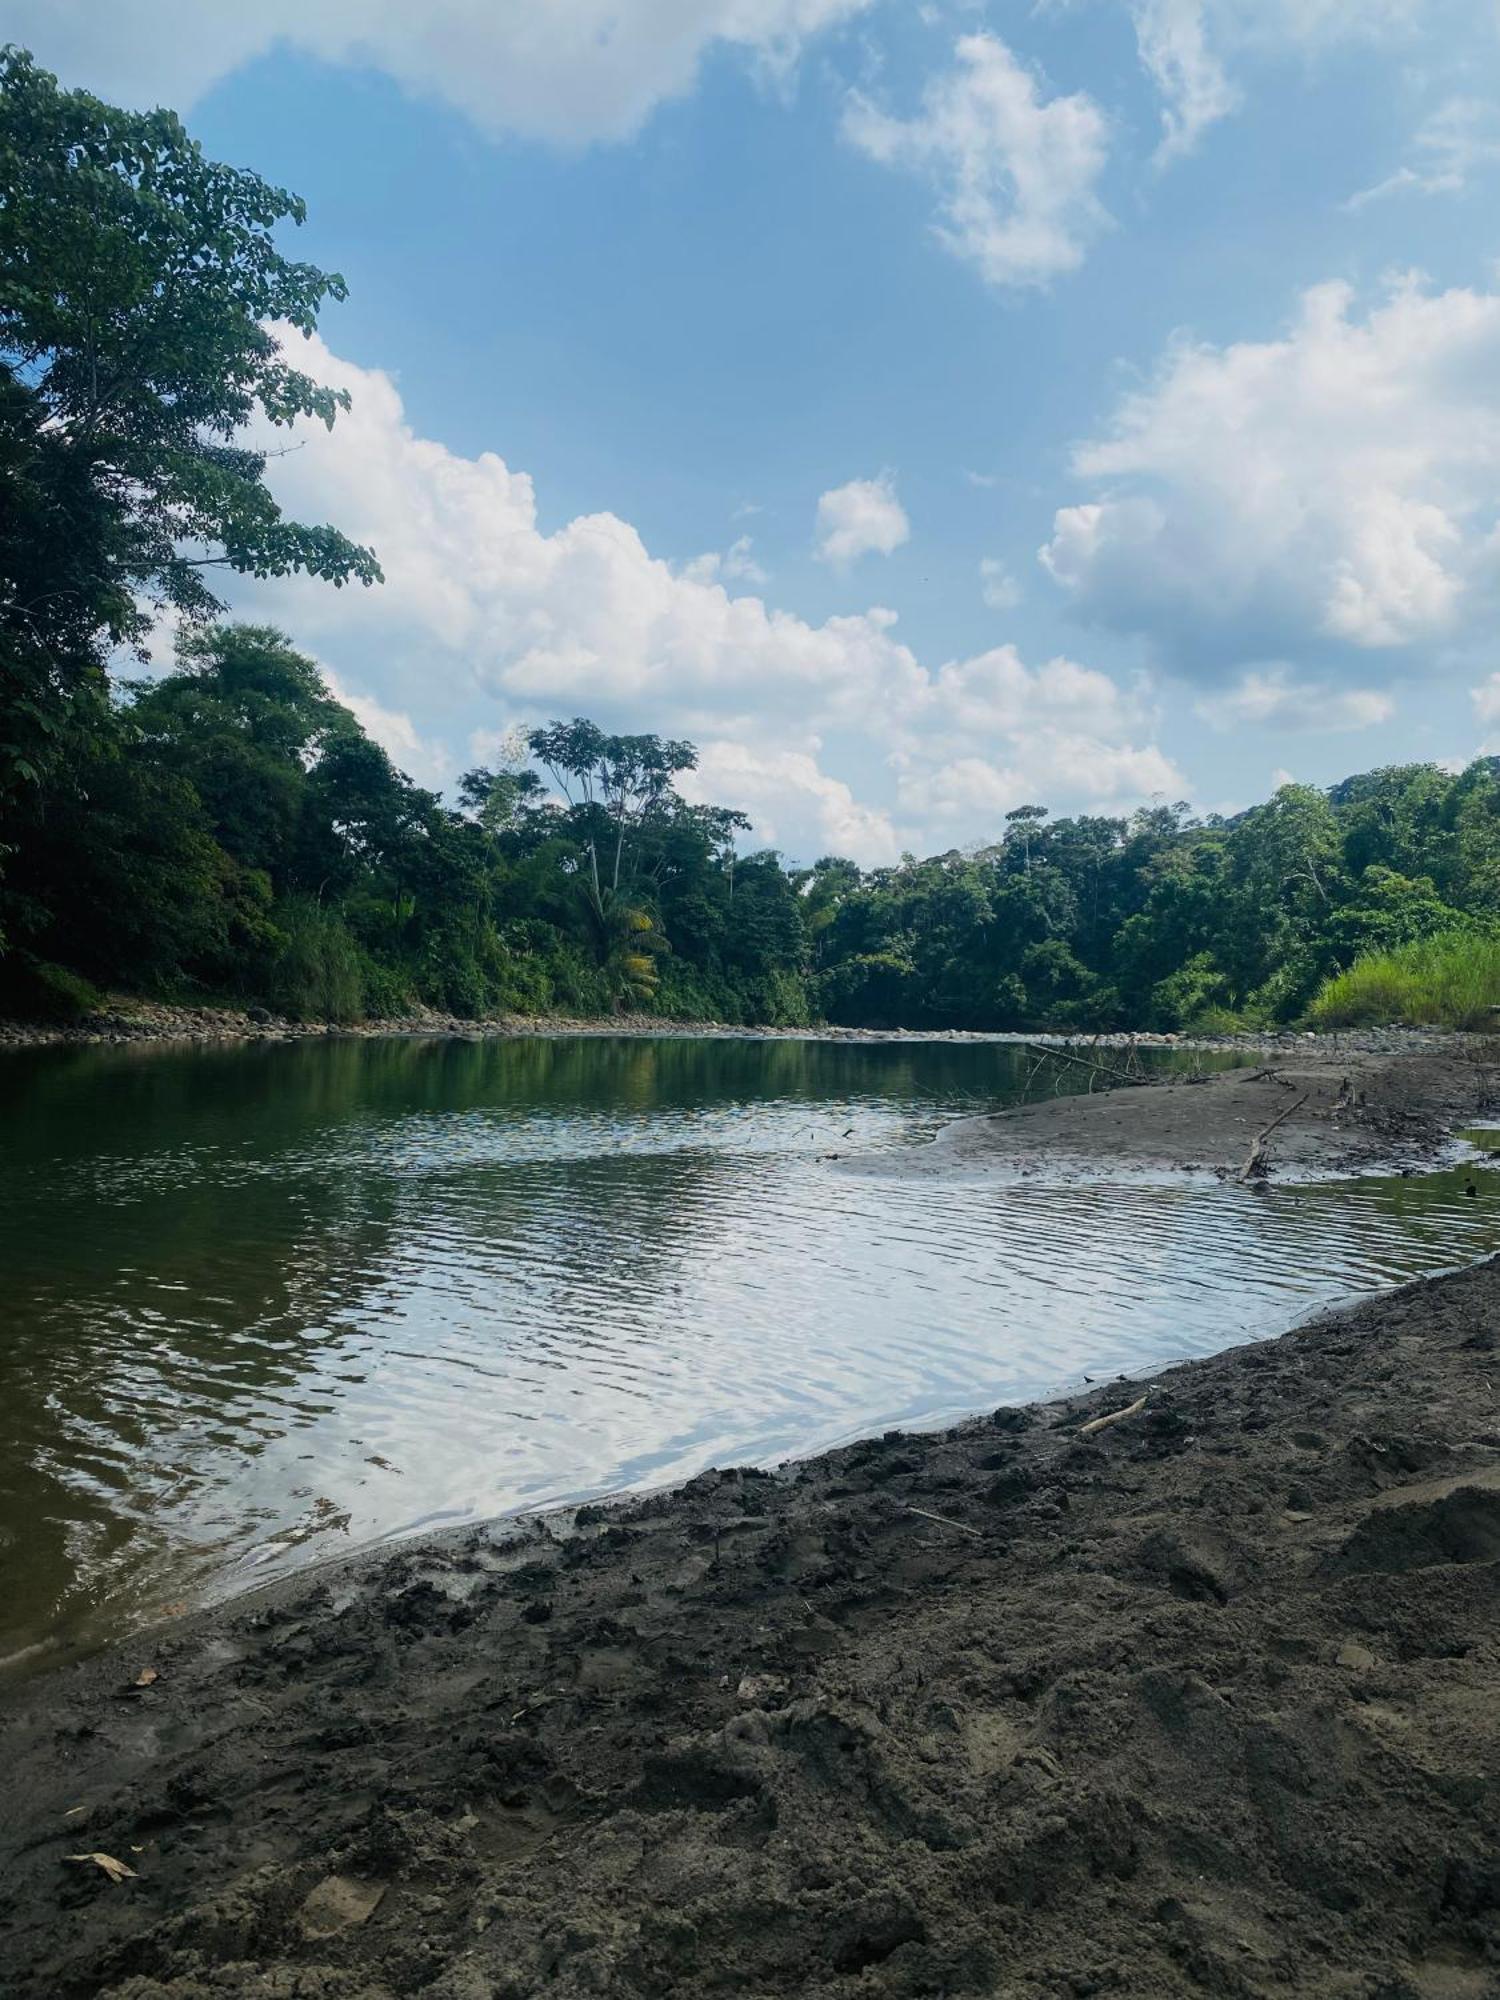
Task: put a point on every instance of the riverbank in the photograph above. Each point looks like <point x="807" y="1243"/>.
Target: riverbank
<point x="133" y="1021"/>
<point x="1309" y="1112"/>
<point x="1202" y="1700"/>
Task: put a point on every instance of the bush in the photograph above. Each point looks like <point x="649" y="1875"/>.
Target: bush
<point x="1450" y="981"/>
<point x="33" y="990"/>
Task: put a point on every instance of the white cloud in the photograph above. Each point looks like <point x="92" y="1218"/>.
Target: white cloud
<point x="997" y="586"/>
<point x="1486" y="699"/>
<point x="429" y="763"/>
<point x="1016" y="172"/>
<point x="1172" y="36"/>
<point x="791" y="802"/>
<point x="737" y="563"/>
<point x="486" y="621"/>
<point x="1461" y="136"/>
<point x="1101" y="777"/>
<point x="1274" y="697"/>
<point x="997" y="694"/>
<point x="566" y="70"/>
<point x="1333" y="492"/>
<point x="1187" y="47"/>
<point x="862" y="518"/>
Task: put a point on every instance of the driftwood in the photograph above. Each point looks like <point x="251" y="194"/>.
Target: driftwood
<point x="944" y="1522"/>
<point x="1114" y="1417"/>
<point x="1082" y="1062"/>
<point x="1254" y="1168"/>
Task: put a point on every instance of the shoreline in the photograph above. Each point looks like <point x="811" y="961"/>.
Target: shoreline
<point x="1200" y="1699"/>
<point x="1307" y="1114"/>
<point x="151" y="1022"/>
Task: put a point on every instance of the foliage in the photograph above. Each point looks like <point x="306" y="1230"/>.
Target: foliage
<point x="1451" y="980"/>
<point x="145" y="320"/>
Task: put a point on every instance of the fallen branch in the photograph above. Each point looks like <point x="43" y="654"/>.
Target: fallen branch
<point x="943" y="1522"/>
<point x="1082" y="1062"/>
<point x="1114" y="1417"/>
<point x="1254" y="1168"/>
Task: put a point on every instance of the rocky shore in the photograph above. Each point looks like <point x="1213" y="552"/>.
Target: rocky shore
<point x="132" y="1021"/>
<point x="1173" y="1691"/>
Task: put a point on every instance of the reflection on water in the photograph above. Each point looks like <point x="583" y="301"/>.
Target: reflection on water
<point x="266" y="1302"/>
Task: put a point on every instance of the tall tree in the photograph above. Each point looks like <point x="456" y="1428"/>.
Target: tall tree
<point x="145" y="318"/>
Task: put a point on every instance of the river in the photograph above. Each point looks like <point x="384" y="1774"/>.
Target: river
<point x="272" y="1302"/>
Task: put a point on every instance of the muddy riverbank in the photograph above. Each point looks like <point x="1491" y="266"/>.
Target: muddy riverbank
<point x="1201" y="1701"/>
<point x="1305" y="1114"/>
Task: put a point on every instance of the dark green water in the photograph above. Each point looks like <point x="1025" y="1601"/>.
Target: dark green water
<point x="270" y="1302"/>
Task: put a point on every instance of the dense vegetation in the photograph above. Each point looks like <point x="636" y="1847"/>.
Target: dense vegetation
<point x="1452" y="979"/>
<point x="227" y="830"/>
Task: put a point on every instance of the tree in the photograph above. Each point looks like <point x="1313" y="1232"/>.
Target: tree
<point x="1023" y="821"/>
<point x="145" y="316"/>
<point x="614" y="785"/>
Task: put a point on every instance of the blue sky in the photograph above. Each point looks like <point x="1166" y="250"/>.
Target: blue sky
<point x="928" y="409"/>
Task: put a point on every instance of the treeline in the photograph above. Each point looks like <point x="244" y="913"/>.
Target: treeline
<point x="228" y="831"/>
<point x="1161" y="920"/>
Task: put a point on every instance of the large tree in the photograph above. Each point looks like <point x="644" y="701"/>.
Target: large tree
<point x="145" y="318"/>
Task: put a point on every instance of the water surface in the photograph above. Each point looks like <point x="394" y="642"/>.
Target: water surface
<point x="268" y="1302"/>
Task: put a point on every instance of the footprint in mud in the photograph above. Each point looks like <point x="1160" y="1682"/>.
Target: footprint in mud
<point x="1459" y="1527"/>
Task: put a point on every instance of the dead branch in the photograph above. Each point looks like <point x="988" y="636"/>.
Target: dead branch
<point x="943" y="1522"/>
<point x="1083" y="1062"/>
<point x="1254" y="1168"/>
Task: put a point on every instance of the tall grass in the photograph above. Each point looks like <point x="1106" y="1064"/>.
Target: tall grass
<point x="1449" y="981"/>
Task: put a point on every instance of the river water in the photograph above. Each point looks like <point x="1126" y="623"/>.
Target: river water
<point x="267" y="1303"/>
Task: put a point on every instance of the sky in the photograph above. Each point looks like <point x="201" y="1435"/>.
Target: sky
<point x="925" y="409"/>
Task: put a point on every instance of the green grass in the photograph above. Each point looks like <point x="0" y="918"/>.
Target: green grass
<point x="1449" y="981"/>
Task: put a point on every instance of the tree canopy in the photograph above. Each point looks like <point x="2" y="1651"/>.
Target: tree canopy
<point x="146" y="318"/>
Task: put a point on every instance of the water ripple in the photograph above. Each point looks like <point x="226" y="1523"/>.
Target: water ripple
<point x="269" y="1307"/>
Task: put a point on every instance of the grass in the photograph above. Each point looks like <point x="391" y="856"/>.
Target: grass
<point x="1448" y="981"/>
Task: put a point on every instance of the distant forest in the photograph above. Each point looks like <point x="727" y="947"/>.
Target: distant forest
<point x="228" y="832"/>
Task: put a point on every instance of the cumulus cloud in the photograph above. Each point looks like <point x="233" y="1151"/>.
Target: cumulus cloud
<point x="997" y="586"/>
<point x="572" y="71"/>
<point x="860" y="519"/>
<point x="1015" y="171"/>
<point x="428" y="762"/>
<point x="787" y="798"/>
<point x="737" y="563"/>
<point x="1461" y="137"/>
<point x="977" y="791"/>
<point x="1332" y="492"/>
<point x="1486" y="699"/>
<point x="1274" y="697"/>
<point x="486" y="621"/>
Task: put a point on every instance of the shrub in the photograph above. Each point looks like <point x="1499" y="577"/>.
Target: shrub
<point x="33" y="990"/>
<point x="317" y="973"/>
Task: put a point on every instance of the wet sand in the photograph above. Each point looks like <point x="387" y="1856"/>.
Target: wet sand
<point x="1323" y="1113"/>
<point x="1202" y="1701"/>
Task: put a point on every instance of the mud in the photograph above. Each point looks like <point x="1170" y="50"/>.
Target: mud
<point x="1334" y="1111"/>
<point x="1199" y="1703"/>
